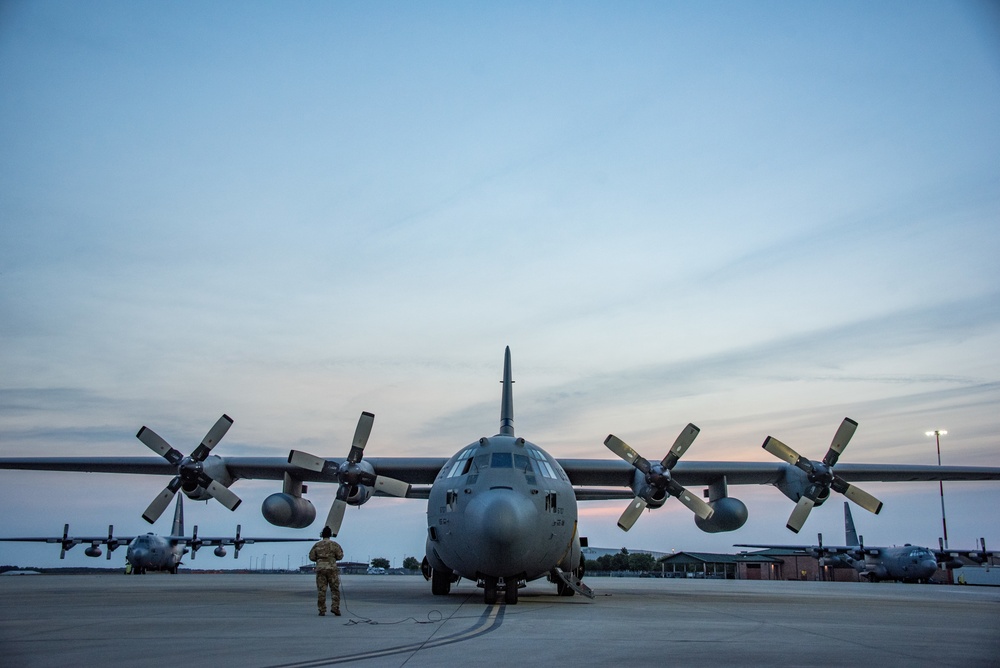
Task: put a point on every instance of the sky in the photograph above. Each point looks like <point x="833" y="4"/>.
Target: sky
<point x="756" y="217"/>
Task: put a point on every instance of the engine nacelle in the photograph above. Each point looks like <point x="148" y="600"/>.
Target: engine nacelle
<point x="285" y="510"/>
<point x="215" y="468"/>
<point x="359" y="495"/>
<point x="653" y="496"/>
<point x="220" y="551"/>
<point x="730" y="514"/>
<point x="93" y="551"/>
<point x="794" y="485"/>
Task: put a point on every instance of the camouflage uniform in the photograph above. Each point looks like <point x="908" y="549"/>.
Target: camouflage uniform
<point x="326" y="553"/>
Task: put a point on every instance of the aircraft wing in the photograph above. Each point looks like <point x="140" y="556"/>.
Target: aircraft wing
<point x="583" y="473"/>
<point x="978" y="556"/>
<point x="614" y="473"/>
<point x="853" y="551"/>
<point x="415" y="470"/>
<point x="230" y="540"/>
<point x="75" y="540"/>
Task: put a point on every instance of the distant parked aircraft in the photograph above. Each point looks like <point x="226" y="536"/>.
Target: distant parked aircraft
<point x="150" y="552"/>
<point x="908" y="563"/>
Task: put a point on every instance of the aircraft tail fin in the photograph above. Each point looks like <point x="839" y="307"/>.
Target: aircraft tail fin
<point x="178" y="526"/>
<point x="850" y="533"/>
<point x="507" y="399"/>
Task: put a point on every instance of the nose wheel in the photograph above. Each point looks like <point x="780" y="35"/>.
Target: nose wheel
<point x="492" y="589"/>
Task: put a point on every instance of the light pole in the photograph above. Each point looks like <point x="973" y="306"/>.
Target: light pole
<point x="937" y="433"/>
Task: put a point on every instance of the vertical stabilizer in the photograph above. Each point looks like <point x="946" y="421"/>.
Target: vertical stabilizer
<point x="850" y="533"/>
<point x="507" y="400"/>
<point x="178" y="526"/>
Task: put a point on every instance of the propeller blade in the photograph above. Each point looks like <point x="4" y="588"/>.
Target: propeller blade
<point x="391" y="486"/>
<point x="863" y="499"/>
<point x="631" y="513"/>
<point x="361" y="434"/>
<point x="696" y="504"/>
<point x="680" y="446"/>
<point x="306" y="461"/>
<point x="111" y="545"/>
<point x="781" y="451"/>
<point x="800" y="513"/>
<point x="212" y="438"/>
<point x="625" y="451"/>
<point x="154" y="442"/>
<point x="160" y="503"/>
<point x="336" y="516"/>
<point x="223" y="495"/>
<point x="840" y="441"/>
<point x="62" y="552"/>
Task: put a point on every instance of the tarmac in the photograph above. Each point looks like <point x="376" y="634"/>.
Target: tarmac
<point x="250" y="620"/>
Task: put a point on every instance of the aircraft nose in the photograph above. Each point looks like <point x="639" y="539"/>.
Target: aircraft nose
<point x="501" y="516"/>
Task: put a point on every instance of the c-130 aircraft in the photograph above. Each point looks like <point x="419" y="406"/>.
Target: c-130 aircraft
<point x="150" y="552"/>
<point x="502" y="511"/>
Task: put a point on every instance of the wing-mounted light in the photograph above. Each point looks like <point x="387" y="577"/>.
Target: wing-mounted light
<point x="356" y="477"/>
<point x="198" y="480"/>
<point x="653" y="480"/>
<point x="820" y="477"/>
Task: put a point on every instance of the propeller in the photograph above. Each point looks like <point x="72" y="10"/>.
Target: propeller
<point x="351" y="473"/>
<point x="658" y="477"/>
<point x="112" y="543"/>
<point x="67" y="542"/>
<point x="190" y="470"/>
<point x="821" y="476"/>
<point x="195" y="543"/>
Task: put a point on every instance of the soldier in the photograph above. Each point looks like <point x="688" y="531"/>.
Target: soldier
<point x="326" y="553"/>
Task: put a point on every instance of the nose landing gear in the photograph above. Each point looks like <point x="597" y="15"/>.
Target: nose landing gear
<point x="493" y="586"/>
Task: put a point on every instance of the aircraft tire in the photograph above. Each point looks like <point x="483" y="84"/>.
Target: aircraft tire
<point x="510" y="594"/>
<point x="440" y="583"/>
<point x="490" y="591"/>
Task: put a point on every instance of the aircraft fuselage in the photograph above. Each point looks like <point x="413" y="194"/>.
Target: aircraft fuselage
<point x="909" y="563"/>
<point x="150" y="552"/>
<point x="502" y="508"/>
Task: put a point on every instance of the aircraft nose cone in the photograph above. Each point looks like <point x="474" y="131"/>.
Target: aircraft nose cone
<point x="501" y="518"/>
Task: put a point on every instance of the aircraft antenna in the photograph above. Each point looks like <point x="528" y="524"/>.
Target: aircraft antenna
<point x="507" y="399"/>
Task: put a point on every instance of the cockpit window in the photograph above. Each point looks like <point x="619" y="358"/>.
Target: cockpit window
<point x="541" y="463"/>
<point x="462" y="464"/>
<point x="502" y="460"/>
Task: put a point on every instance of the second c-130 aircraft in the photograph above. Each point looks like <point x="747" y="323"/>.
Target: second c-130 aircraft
<point x="502" y="511"/>
<point x="150" y="552"/>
